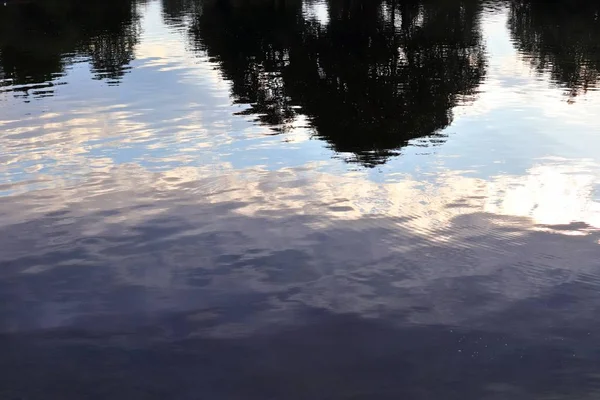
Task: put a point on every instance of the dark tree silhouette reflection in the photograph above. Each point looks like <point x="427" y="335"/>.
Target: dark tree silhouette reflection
<point x="38" y="39"/>
<point x="176" y="12"/>
<point x="560" y="37"/>
<point x="375" y="75"/>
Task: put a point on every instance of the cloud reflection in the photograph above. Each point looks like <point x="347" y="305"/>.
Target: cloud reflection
<point x="321" y="240"/>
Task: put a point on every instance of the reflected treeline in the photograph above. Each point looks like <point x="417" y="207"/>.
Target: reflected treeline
<point x="562" y="37"/>
<point x="369" y="75"/>
<point x="38" y="39"/>
<point x="175" y="12"/>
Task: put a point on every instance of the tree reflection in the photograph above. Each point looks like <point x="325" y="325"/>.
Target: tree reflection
<point x="561" y="37"/>
<point x="376" y="75"/>
<point x="176" y="11"/>
<point x="39" y="39"/>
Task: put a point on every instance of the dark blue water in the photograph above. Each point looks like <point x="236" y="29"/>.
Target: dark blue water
<point x="266" y="199"/>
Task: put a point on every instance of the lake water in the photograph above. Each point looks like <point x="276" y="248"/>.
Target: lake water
<point x="286" y="199"/>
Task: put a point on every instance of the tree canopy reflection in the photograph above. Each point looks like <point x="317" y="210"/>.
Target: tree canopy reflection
<point x="375" y="75"/>
<point x="38" y="39"/>
<point x="561" y="37"/>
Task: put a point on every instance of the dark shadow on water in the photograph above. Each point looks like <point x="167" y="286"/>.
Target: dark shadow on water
<point x="328" y="356"/>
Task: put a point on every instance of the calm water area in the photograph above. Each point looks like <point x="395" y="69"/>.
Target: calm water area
<point x="299" y="199"/>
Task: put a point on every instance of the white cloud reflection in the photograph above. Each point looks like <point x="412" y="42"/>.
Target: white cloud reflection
<point x="419" y="233"/>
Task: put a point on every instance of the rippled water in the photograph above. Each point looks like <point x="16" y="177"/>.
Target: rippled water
<point x="261" y="199"/>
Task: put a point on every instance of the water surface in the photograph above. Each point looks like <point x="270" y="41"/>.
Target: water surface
<point x="261" y="199"/>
